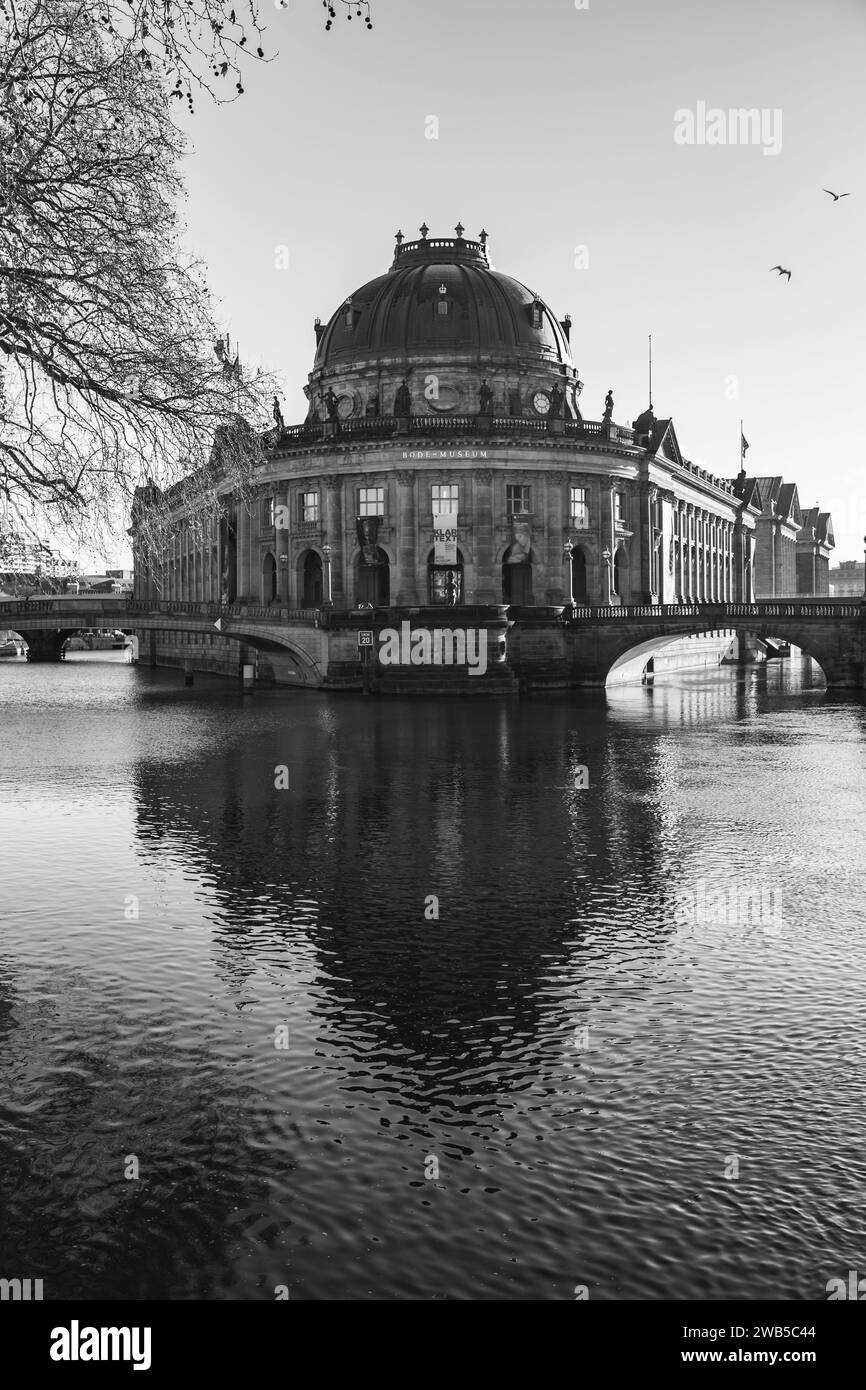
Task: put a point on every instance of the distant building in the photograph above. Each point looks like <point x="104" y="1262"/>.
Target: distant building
<point x="25" y="558"/>
<point x="848" y="579"/>
<point x="107" y="582"/>
<point x="815" y="540"/>
<point x="792" y="547"/>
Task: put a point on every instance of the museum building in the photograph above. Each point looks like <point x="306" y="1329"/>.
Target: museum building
<point x="446" y="389"/>
<point x="446" y="461"/>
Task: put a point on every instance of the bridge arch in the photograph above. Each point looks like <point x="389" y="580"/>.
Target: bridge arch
<point x="629" y="651"/>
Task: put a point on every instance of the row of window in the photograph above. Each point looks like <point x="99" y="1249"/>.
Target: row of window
<point x="445" y="498"/>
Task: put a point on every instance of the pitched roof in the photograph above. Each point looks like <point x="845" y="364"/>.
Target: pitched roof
<point x="751" y="492"/>
<point x="821" y="523"/>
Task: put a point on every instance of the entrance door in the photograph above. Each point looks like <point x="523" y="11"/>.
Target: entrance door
<point x="312" y="586"/>
<point x="516" y="583"/>
<point x="374" y="581"/>
<point x="578" y="574"/>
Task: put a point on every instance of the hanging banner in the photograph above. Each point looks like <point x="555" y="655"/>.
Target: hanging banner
<point x="445" y="538"/>
<point x="367" y="530"/>
<point x="521" y="541"/>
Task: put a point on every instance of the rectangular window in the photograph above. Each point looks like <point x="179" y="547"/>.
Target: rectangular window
<point x="516" y="499"/>
<point x="308" y="506"/>
<point x="442" y="308"/>
<point x="371" y="501"/>
<point x="580" y="508"/>
<point x="268" y="511"/>
<point x="445" y="497"/>
<point x="619" y="507"/>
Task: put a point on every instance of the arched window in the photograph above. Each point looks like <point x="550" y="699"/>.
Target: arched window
<point x="578" y="574"/>
<point x="311" y="580"/>
<point x="445" y="582"/>
<point x="269" y="578"/>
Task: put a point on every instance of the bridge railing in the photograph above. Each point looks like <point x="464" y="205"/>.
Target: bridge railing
<point x="99" y="605"/>
<point x="725" y="613"/>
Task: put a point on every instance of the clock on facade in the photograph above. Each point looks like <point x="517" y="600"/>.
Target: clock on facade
<point x="541" y="402"/>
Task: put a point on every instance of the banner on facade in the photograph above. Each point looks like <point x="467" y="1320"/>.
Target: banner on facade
<point x="521" y="541"/>
<point x="445" y="538"/>
<point x="367" y="530"/>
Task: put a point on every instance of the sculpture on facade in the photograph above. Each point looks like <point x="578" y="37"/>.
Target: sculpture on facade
<point x="608" y="407"/>
<point x="485" y="396"/>
<point x="402" y="400"/>
<point x="330" y="402"/>
<point x="557" y="395"/>
<point x="373" y="404"/>
<point x="278" y="415"/>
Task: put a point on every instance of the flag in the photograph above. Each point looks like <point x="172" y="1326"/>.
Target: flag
<point x="367" y="531"/>
<point x="744" y="444"/>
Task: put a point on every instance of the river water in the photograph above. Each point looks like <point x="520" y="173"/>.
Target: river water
<point x="435" y="1020"/>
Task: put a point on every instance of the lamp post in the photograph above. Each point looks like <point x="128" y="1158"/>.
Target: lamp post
<point x="567" y="551"/>
<point x="326" y="551"/>
<point x="605" y="559"/>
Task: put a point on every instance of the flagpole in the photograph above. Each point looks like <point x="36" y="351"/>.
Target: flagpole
<point x="650" y="371"/>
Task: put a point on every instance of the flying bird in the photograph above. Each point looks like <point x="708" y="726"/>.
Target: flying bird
<point x="781" y="271"/>
<point x="835" y="196"/>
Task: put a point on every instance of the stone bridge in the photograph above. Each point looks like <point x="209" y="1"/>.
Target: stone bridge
<point x="544" y="647"/>
<point x="831" y="631"/>
<point x="292" y="639"/>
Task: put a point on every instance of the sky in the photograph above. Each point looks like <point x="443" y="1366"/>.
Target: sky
<point x="556" y="130"/>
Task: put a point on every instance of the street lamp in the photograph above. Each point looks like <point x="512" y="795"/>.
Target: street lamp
<point x="567" y="552"/>
<point x="605" y="559"/>
<point x="326" y="551"/>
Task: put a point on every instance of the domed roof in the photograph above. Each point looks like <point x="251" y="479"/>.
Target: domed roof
<point x="442" y="298"/>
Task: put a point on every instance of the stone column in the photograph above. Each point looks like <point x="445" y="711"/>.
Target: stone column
<point x="702" y="580"/>
<point x="334" y="536"/>
<point x="552" y="583"/>
<point x="408" y="560"/>
<point x="243" y="552"/>
<point x="488" y="585"/>
<point x="681" y="550"/>
<point x="645" y="537"/>
<point x="688" y="558"/>
<point x="607" y="595"/>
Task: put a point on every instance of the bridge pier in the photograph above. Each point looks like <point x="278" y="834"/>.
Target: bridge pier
<point x="45" y="645"/>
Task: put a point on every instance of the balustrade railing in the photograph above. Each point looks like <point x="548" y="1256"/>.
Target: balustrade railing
<point x="725" y="614"/>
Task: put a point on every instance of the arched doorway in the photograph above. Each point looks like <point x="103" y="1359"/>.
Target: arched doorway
<point x="620" y="575"/>
<point x="269" y="578"/>
<point x="311" y="580"/>
<point x="516" y="581"/>
<point x="373" y="582"/>
<point x="578" y="574"/>
<point x="444" y="582"/>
